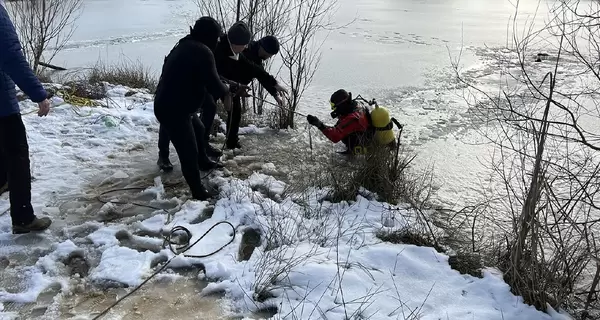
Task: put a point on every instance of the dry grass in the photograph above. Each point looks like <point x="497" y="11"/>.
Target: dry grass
<point x="382" y="172"/>
<point x="126" y="73"/>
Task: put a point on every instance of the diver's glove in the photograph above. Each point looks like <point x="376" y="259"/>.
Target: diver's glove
<point x="315" y="122"/>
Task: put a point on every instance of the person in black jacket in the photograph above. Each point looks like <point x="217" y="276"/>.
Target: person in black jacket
<point x="234" y="65"/>
<point x="188" y="75"/>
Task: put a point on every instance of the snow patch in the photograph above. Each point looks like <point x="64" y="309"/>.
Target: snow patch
<point x="123" y="265"/>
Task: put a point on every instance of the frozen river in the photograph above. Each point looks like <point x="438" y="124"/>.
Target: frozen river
<point x="396" y="50"/>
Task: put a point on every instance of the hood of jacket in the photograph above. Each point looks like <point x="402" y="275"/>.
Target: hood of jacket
<point x="207" y="31"/>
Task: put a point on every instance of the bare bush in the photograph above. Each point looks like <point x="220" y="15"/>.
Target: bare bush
<point x="296" y="23"/>
<point x="547" y="173"/>
<point x="301" y="51"/>
<point x="383" y="171"/>
<point x="44" y="26"/>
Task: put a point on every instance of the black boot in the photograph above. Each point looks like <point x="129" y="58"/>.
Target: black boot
<point x="3" y="187"/>
<point x="200" y="194"/>
<point x="4" y="180"/>
<point x="233" y="145"/>
<point x="213" y="152"/>
<point x="208" y="165"/>
<point x="164" y="164"/>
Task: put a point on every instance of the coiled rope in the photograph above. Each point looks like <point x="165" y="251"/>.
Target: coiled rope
<point x="178" y="250"/>
<point x="176" y="247"/>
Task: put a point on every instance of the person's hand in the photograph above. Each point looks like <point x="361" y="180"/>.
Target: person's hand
<point x="279" y="100"/>
<point x="227" y="102"/>
<point x="44" y="108"/>
<point x="242" y="91"/>
<point x="279" y="88"/>
<point x="314" y="121"/>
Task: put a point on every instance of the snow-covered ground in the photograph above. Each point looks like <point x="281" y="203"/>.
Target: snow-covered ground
<point x="316" y="260"/>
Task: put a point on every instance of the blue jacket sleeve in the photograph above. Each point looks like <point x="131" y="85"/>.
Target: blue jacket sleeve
<point x="13" y="63"/>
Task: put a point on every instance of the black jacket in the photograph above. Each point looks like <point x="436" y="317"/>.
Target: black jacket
<point x="251" y="53"/>
<point x="188" y="74"/>
<point x="242" y="70"/>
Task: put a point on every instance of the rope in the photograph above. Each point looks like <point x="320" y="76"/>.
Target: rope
<point x="279" y="106"/>
<point x="76" y="100"/>
<point x="178" y="250"/>
<point x="182" y="248"/>
<point x="310" y="143"/>
<point x="186" y="247"/>
<point x="99" y="198"/>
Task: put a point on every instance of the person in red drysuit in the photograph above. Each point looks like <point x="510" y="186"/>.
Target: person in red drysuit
<point x="353" y="127"/>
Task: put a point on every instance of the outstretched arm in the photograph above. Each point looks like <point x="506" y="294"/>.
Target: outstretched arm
<point x="258" y="72"/>
<point x="342" y="129"/>
<point x="13" y="62"/>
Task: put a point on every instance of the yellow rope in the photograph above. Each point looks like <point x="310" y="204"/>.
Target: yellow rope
<point x="74" y="101"/>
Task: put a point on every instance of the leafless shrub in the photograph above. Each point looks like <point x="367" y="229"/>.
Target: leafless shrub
<point x="301" y="52"/>
<point x="44" y="26"/>
<point x="545" y="202"/>
<point x="296" y="23"/>
<point x="320" y="231"/>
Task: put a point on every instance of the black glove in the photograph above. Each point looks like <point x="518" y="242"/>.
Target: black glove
<point x="233" y="87"/>
<point x="238" y="89"/>
<point x="315" y="121"/>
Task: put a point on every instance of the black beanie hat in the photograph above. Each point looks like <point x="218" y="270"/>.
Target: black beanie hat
<point x="270" y="44"/>
<point x="239" y="34"/>
<point x="207" y="30"/>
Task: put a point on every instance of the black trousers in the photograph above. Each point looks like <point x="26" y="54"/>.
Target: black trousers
<point x="234" y="117"/>
<point x="14" y="168"/>
<point x="186" y="133"/>
<point x="164" y="139"/>
<point x="209" y="110"/>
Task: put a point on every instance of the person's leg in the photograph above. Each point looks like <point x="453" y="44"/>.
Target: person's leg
<point x="209" y="110"/>
<point x="163" y="150"/>
<point x="233" y="124"/>
<point x="15" y="151"/>
<point x="3" y="174"/>
<point x="182" y="135"/>
<point x="204" y="161"/>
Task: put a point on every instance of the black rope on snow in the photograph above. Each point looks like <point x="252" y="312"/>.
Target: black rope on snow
<point x="180" y="249"/>
<point x="183" y="247"/>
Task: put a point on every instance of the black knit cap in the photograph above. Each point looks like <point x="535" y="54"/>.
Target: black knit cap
<point x="270" y="44"/>
<point x="239" y="34"/>
<point x="207" y="30"/>
<point x="340" y="97"/>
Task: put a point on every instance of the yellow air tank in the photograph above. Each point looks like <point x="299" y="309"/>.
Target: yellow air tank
<point x="381" y="120"/>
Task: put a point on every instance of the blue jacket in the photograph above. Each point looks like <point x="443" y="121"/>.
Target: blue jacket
<point x="14" y="69"/>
